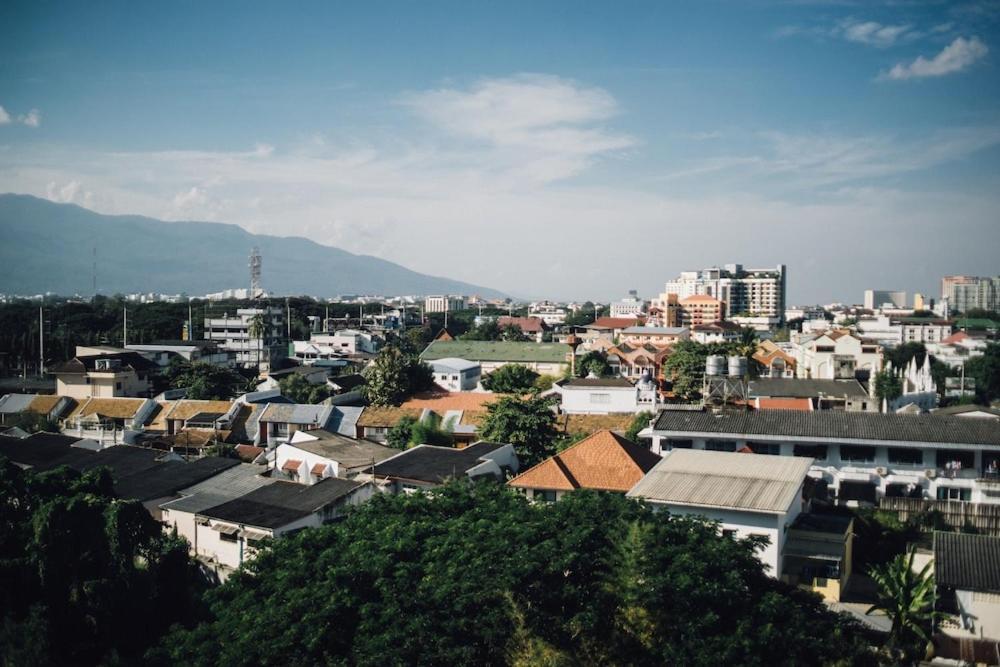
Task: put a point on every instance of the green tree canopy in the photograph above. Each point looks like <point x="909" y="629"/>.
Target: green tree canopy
<point x="205" y="381"/>
<point x="639" y="422"/>
<point x="393" y="376"/>
<point x="906" y="596"/>
<point x="300" y="390"/>
<point x="487" y="330"/>
<point x="410" y="431"/>
<point x="510" y="379"/>
<point x="593" y="362"/>
<point x="986" y="371"/>
<point x="527" y="423"/>
<point x="887" y="386"/>
<point x="475" y="574"/>
<point x="88" y="579"/>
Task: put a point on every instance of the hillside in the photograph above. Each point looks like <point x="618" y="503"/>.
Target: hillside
<point x="48" y="247"/>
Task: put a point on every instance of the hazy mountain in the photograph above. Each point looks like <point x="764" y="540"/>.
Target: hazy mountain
<point x="48" y="247"/>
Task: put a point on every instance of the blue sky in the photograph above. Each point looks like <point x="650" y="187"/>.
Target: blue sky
<point x="568" y="150"/>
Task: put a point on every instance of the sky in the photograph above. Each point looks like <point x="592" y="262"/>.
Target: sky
<point x="565" y="150"/>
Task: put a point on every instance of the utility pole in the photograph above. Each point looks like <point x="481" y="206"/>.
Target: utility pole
<point x="288" y="317"/>
<point x="190" y="322"/>
<point x="326" y="321"/>
<point x="124" y="326"/>
<point x="41" y="343"/>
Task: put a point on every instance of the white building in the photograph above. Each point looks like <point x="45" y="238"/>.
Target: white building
<point x="324" y="349"/>
<point x="312" y="456"/>
<point x="876" y="299"/>
<point x="836" y="355"/>
<point x="602" y="396"/>
<point x="548" y="312"/>
<point x="456" y="374"/>
<point x="631" y="306"/>
<point x="232" y="332"/>
<point x="192" y="351"/>
<point x="444" y="304"/>
<point x="748" y="494"/>
<point x="749" y="292"/>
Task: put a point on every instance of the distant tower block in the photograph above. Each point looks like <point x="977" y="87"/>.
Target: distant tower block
<point x="255" y="262"/>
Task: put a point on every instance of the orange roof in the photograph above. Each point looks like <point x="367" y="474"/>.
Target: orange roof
<point x="248" y="452"/>
<point x="456" y="400"/>
<point x="956" y="337"/>
<point x="700" y="298"/>
<point x="803" y="404"/>
<point x="318" y="469"/>
<point x="617" y="322"/>
<point x="605" y="461"/>
<point x="291" y="465"/>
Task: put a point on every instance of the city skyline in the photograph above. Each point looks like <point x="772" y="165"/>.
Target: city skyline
<point x="591" y="151"/>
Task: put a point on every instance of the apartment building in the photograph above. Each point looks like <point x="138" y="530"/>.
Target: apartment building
<point x="754" y="292"/>
<point x="231" y="332"/>
<point x="444" y="304"/>
<point x="965" y="293"/>
<point x="699" y="309"/>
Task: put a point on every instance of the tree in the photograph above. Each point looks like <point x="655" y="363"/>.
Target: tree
<point x="529" y="424"/>
<point x="639" y="422"/>
<point x="486" y="330"/>
<point x="207" y="381"/>
<point x="31" y="422"/>
<point x="888" y="387"/>
<point x="394" y="376"/>
<point x="907" y="598"/>
<point x="476" y="574"/>
<point x="513" y="333"/>
<point x="88" y="578"/>
<point x="510" y="379"/>
<point x="400" y="435"/>
<point x="685" y="365"/>
<point x="593" y="362"/>
<point x="300" y="390"/>
<point x="256" y="329"/>
<point x="985" y="370"/>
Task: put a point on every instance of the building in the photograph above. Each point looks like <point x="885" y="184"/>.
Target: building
<point x="967" y="574"/>
<point x="665" y="311"/>
<point x="630" y="306"/>
<point x="749" y="495"/>
<point x="877" y="299"/>
<point x="454" y="374"/>
<point x="593" y="395"/>
<point x="108" y="375"/>
<point x="636" y="362"/>
<point x="550" y="313"/>
<point x="699" y="309"/>
<point x="822" y="394"/>
<point x="444" y="304"/>
<point x="836" y="355"/>
<point x="191" y="351"/>
<point x="232" y="333"/>
<point x="349" y="342"/>
<point x="427" y="466"/>
<point x="653" y="335"/>
<point x="965" y="293"/>
<point x="716" y="332"/>
<point x="278" y="422"/>
<point x="819" y="554"/>
<point x="604" y="461"/>
<point x="543" y="358"/>
<point x="774" y="361"/>
<point x="858" y="456"/>
<point x="53" y="408"/>
<point x="923" y="329"/>
<point x="532" y="327"/>
<point x="110" y="421"/>
<point x="755" y="292"/>
<point x="311" y="456"/>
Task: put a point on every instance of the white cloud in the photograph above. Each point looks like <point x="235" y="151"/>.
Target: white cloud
<point x="873" y="33"/>
<point x="71" y="192"/>
<point x="4" y="116"/>
<point x="32" y="119"/>
<point x="955" y="57"/>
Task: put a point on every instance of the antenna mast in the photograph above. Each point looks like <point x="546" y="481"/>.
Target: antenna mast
<point x="255" y="263"/>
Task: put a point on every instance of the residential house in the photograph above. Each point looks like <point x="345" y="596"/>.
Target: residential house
<point x="311" y="456"/>
<point x="593" y="395"/>
<point x="278" y="422"/>
<point x="232" y="333"/>
<point x="699" y="309"/>
<point x="637" y="361"/>
<point x="550" y="313"/>
<point x="774" y="362"/>
<point x="427" y="466"/>
<point x="533" y="327"/>
<point x="108" y="375"/>
<point x="610" y="327"/>
<point x="716" y="332"/>
<point x="819" y="554"/>
<point x="957" y="349"/>
<point x="376" y="421"/>
<point x="837" y="355"/>
<point x="543" y="358"/>
<point x="658" y="336"/>
<point x="967" y="574"/>
<point x="109" y="421"/>
<point x="859" y="457"/>
<point x="53" y="408"/>
<point x="823" y="394"/>
<point x="314" y="375"/>
<point x="604" y="461"/>
<point x="192" y="351"/>
<point x="748" y="495"/>
<point x="454" y="374"/>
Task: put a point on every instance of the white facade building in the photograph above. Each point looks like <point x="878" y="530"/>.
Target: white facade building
<point x="456" y="374"/>
<point x="444" y="304"/>
<point x="602" y="396"/>
<point x="232" y="332"/>
<point x="751" y="292"/>
<point x="836" y="355"/>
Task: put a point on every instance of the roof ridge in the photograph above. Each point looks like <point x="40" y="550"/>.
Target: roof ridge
<point x="557" y="459"/>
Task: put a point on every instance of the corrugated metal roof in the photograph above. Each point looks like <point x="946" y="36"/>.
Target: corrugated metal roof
<point x="967" y="562"/>
<point x="833" y="425"/>
<point x="14" y="403"/>
<point x="749" y="482"/>
<point x="227" y="485"/>
<point x="296" y="413"/>
<point x="485" y="350"/>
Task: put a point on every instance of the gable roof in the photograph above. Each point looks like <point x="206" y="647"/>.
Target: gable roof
<point x="87" y="364"/>
<point x="455" y="400"/>
<point x="618" y="382"/>
<point x="385" y="415"/>
<point x="806" y="388"/>
<point x="729" y="480"/>
<point x="615" y="322"/>
<point x="967" y="562"/>
<point x="169" y="477"/>
<point x="278" y="504"/>
<point x="429" y="463"/>
<point x="113" y="408"/>
<point x="455" y="364"/>
<point x="604" y="461"/>
<point x="525" y="324"/>
<point x="187" y="408"/>
<point x="347" y="452"/>
<point x="489" y="350"/>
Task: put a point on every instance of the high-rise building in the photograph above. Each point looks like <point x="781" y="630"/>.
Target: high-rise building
<point x="965" y="293"/>
<point x="233" y="333"/>
<point x="876" y="299"/>
<point x="444" y="304"/>
<point x="745" y="292"/>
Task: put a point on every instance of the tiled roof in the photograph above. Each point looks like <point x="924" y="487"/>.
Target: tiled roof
<point x="487" y="350"/>
<point x="604" y="461"/>
<point x="318" y="468"/>
<point x="783" y="404"/>
<point x="166" y="479"/>
<point x="348" y="452"/>
<point x="750" y="482"/>
<point x="526" y="324"/>
<point x="280" y="503"/>
<point x="159" y="420"/>
<point x="43" y="404"/>
<point x="967" y="562"/>
<point x="806" y="388"/>
<point x="834" y="425"/>
<point x="186" y="408"/>
<point x="115" y="408"/>
<point x="615" y="322"/>
<point x="227" y="485"/>
<point x="248" y="452"/>
<point x="297" y="413"/>
<point x="291" y="465"/>
<point x="129" y="360"/>
<point x="456" y="400"/>
<point x="428" y="463"/>
<point x="598" y="382"/>
<point x="374" y="415"/>
<point x="587" y="424"/>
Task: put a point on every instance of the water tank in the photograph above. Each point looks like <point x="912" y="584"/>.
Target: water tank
<point x="714" y="365"/>
<point x="737" y="366"/>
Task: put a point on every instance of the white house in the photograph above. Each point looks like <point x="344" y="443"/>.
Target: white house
<point x="602" y="396"/>
<point x="312" y="456"/>
<point x="456" y="374"/>
<point x="836" y="355"/>
<point x="748" y="494"/>
<point x="232" y="333"/>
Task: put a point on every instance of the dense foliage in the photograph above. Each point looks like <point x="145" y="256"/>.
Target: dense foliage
<point x="593" y="362"/>
<point x="409" y="432"/>
<point x="527" y="423"/>
<point x="986" y="372"/>
<point x="87" y="579"/>
<point x="394" y="375"/>
<point x="474" y="574"/>
<point x="204" y="381"/>
<point x="300" y="390"/>
<point x="639" y="422"/>
<point x="906" y="595"/>
<point x="510" y="379"/>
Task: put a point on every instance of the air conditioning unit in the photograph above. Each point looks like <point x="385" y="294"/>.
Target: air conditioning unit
<point x="930" y="473"/>
<point x="881" y="472"/>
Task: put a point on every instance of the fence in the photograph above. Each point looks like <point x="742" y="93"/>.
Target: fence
<point x="956" y="514"/>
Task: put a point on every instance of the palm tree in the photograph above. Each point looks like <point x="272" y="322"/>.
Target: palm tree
<point x="256" y="327"/>
<point x="907" y="598"/>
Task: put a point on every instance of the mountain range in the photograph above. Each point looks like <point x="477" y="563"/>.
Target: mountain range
<point x="50" y="247"/>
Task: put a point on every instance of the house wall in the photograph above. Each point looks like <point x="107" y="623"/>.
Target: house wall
<point x="984" y="610"/>
<point x="540" y="367"/>
<point x="599" y="400"/>
<point x="288" y="451"/>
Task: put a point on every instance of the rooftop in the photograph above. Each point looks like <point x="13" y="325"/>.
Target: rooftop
<point x="583" y="383"/>
<point x="487" y="350"/>
<point x="748" y="482"/>
<point x="456" y="364"/>
<point x="967" y="562"/>
<point x="806" y="388"/>
<point x="604" y="461"/>
<point x="229" y="484"/>
<point x="347" y="452"/>
<point x="833" y="425"/>
<point x="280" y="503"/>
<point x="659" y="331"/>
<point x="428" y="463"/>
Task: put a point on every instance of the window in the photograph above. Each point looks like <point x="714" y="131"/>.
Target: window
<point x="720" y="446"/>
<point x="600" y="399"/>
<point x="228" y="537"/>
<point x="965" y="459"/>
<point x="772" y="448"/>
<point x="817" y="452"/>
<point x="730" y="533"/>
<point x="906" y="456"/>
<point x="857" y="453"/>
<point x="545" y="496"/>
<point x="678" y="444"/>
<point x="954" y="493"/>
<point x="824" y="348"/>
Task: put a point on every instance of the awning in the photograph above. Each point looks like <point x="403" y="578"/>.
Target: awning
<point x="291" y="465"/>
<point x="225" y="528"/>
<point x="254" y="535"/>
<point x="814" y="549"/>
